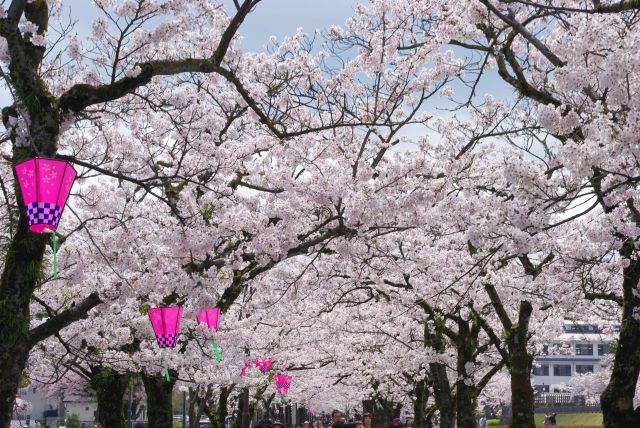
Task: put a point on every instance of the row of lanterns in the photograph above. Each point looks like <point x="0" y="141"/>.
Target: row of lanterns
<point x="166" y="326"/>
<point x="45" y="185"/>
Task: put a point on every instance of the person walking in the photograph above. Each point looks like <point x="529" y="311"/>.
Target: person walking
<point x="367" y="420"/>
<point x="337" y="418"/>
<point x="482" y="422"/>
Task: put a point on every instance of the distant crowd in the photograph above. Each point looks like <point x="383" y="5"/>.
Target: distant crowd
<point x="337" y="421"/>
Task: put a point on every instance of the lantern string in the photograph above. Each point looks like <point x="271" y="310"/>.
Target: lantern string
<point x="54" y="247"/>
<point x="165" y="365"/>
<point x="215" y="349"/>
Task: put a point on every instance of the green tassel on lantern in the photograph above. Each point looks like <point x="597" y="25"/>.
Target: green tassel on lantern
<point x="165" y="365"/>
<point x="215" y="349"/>
<point x="54" y="247"/>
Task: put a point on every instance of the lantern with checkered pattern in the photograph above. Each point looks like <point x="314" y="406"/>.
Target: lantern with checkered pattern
<point x="166" y="326"/>
<point x="283" y="383"/>
<point x="45" y="185"/>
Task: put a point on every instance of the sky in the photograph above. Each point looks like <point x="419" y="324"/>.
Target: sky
<point x="271" y="17"/>
<point x="282" y="18"/>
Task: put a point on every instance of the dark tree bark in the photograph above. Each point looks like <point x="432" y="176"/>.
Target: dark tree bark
<point x="110" y="387"/>
<point x="383" y="410"/>
<point x="466" y="346"/>
<point x="159" y="399"/>
<point x="218" y="414"/>
<point x="198" y="405"/>
<point x="515" y="355"/>
<point x="520" y="363"/>
<point x="617" y="399"/>
<point x="442" y="395"/>
<point x="420" y="393"/>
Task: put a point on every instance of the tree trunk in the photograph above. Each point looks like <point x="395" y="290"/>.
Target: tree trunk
<point x="466" y="344"/>
<point x="617" y="398"/>
<point x="22" y="271"/>
<point x="419" y="414"/>
<point x="110" y="387"/>
<point x="198" y="405"/>
<point x="159" y="399"/>
<point x="442" y="395"/>
<point x="218" y="414"/>
<point x="520" y="363"/>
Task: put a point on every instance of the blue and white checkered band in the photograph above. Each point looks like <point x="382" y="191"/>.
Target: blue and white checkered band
<point x="166" y="340"/>
<point x="43" y="213"/>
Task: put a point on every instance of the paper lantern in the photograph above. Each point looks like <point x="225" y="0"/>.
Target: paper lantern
<point x="211" y="317"/>
<point x="166" y="326"/>
<point x="45" y="185"/>
<point x="244" y="369"/>
<point x="262" y="365"/>
<point x="283" y="382"/>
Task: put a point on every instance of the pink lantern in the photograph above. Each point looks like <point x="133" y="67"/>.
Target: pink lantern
<point x="263" y="365"/>
<point x="166" y="326"/>
<point x="211" y="317"/>
<point x="246" y="367"/>
<point x="45" y="185"/>
<point x="283" y="382"/>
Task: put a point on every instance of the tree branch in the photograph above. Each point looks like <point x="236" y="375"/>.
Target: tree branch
<point x="63" y="319"/>
<point x="544" y="50"/>
<point x="81" y="96"/>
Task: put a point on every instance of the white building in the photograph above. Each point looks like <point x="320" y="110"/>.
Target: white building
<point x="576" y="351"/>
<point x="44" y="409"/>
<point x="85" y="407"/>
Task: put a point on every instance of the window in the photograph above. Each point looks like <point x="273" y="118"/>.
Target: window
<point x="603" y="348"/>
<point x="561" y="370"/>
<point x="542" y="370"/>
<point x="582" y="328"/>
<point x="584" y="349"/>
<point x="582" y="369"/>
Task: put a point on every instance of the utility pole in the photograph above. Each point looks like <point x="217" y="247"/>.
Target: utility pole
<point x="130" y="407"/>
<point x="245" y="408"/>
<point x="184" y="409"/>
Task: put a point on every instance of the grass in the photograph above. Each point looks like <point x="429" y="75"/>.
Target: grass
<point x="574" y="420"/>
<point x="570" y="420"/>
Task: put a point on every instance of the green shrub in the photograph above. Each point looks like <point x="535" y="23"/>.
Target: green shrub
<point x="73" y="421"/>
<point x="493" y="422"/>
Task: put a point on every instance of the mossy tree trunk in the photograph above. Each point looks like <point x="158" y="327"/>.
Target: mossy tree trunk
<point x="466" y="341"/>
<point x="22" y="270"/>
<point x="420" y="394"/>
<point x="515" y="354"/>
<point x="109" y="387"/>
<point x="159" y="399"/>
<point x="520" y="364"/>
<point x="617" y="398"/>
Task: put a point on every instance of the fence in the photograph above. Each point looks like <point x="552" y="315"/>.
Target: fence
<point x="562" y="402"/>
